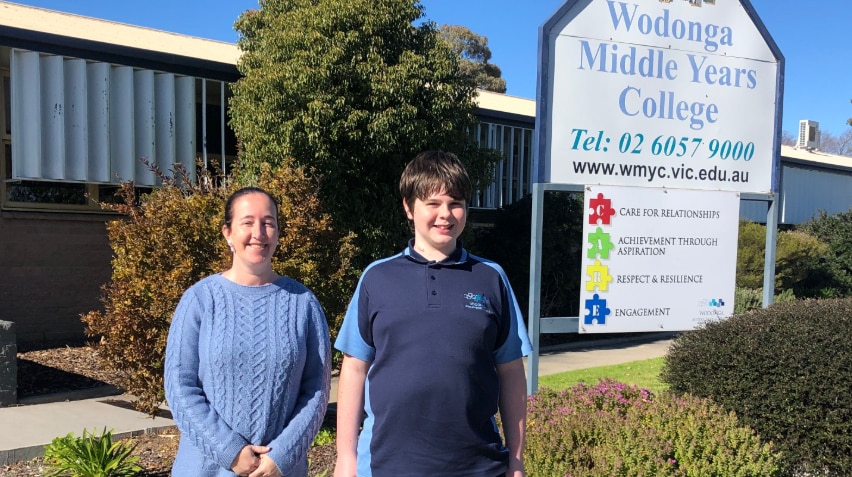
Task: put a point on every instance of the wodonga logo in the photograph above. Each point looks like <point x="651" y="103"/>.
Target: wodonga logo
<point x="694" y="3"/>
<point x="477" y="301"/>
<point x="711" y="307"/>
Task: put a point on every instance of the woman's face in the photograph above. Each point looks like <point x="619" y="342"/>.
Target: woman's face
<point x="253" y="233"/>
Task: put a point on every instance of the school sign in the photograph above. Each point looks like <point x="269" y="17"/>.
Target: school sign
<point x="666" y="113"/>
<point x="656" y="93"/>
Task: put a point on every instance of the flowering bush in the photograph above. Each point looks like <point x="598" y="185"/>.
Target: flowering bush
<point x="612" y="429"/>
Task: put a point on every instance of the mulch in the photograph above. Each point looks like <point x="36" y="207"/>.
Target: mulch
<point x="62" y="369"/>
<point x="74" y="368"/>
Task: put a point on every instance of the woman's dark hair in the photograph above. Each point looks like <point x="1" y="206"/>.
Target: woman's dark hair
<point x="229" y="204"/>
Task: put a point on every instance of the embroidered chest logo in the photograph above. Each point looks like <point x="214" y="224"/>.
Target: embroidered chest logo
<point x="476" y="301"/>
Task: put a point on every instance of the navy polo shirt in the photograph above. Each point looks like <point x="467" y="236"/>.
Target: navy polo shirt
<point x="433" y="333"/>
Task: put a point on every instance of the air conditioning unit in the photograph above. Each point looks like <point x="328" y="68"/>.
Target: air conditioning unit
<point x="808" y="135"/>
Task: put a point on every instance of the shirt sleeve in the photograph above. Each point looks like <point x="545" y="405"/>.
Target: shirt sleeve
<point x="190" y="409"/>
<point x="355" y="336"/>
<point x="517" y="344"/>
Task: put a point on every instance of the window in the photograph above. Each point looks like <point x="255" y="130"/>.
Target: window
<point x="513" y="174"/>
<point x="211" y="120"/>
<point x="109" y="116"/>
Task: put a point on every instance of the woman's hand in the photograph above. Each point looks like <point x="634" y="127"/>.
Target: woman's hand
<point x="248" y="459"/>
<point x="267" y="468"/>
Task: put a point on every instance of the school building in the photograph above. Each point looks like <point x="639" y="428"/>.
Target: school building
<point x="84" y="98"/>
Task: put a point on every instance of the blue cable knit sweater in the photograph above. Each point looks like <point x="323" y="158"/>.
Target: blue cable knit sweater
<point x="246" y="365"/>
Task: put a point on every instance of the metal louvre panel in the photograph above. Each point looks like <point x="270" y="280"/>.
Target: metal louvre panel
<point x="97" y="117"/>
<point x="81" y="121"/>
<point x="121" y="138"/>
<point x="76" y="123"/>
<point x="26" y="114"/>
<point x="185" y="123"/>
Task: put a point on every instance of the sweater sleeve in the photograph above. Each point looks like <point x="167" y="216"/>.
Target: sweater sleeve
<point x="298" y="435"/>
<point x="189" y="405"/>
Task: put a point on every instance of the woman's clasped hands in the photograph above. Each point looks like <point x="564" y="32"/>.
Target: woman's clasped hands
<point x="252" y="461"/>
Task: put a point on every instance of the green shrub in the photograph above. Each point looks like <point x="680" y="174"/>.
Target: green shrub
<point x="613" y="429"/>
<point x="786" y="372"/>
<point x="90" y="456"/>
<point x="325" y="436"/>
<point x="171" y="238"/>
<point x="747" y="299"/>
<point x="832" y="271"/>
<point x="796" y="255"/>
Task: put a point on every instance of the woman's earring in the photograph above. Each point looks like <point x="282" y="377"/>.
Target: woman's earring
<point x="231" y="246"/>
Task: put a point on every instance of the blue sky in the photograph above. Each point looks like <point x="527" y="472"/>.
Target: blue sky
<point x="812" y="35"/>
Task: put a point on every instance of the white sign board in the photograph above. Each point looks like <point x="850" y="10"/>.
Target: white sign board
<point x="657" y="259"/>
<point x="653" y="93"/>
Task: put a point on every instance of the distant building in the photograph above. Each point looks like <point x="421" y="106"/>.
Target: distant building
<point x="810" y="181"/>
<point x="84" y="98"/>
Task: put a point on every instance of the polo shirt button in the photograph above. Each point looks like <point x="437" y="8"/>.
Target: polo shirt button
<point x="432" y="277"/>
<point x="434" y="292"/>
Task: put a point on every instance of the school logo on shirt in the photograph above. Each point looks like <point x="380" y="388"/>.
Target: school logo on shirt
<point x="476" y="301"/>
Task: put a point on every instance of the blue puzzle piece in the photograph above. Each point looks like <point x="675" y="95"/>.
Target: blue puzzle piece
<point x="597" y="311"/>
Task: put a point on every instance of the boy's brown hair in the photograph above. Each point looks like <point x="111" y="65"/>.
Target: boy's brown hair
<point x="431" y="172"/>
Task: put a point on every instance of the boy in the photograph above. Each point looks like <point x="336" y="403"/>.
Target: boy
<point x="433" y="342"/>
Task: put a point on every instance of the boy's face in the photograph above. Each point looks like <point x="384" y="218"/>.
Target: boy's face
<point x="438" y="221"/>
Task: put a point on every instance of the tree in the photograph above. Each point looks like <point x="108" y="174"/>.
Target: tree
<point x="508" y="243"/>
<point x="788" y="139"/>
<point x="849" y="121"/>
<point x="840" y="145"/>
<point x="351" y="90"/>
<point x="474" y="53"/>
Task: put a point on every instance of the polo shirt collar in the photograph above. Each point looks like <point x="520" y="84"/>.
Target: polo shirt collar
<point x="458" y="256"/>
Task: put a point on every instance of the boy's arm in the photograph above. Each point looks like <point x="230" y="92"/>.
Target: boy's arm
<point x="350" y="407"/>
<point x="513" y="412"/>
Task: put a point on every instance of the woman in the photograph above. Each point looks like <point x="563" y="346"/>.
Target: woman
<point x="248" y="358"/>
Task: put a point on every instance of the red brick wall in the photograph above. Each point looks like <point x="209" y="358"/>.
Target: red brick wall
<point x="52" y="266"/>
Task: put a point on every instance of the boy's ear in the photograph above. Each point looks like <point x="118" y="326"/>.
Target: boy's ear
<point x="407" y="210"/>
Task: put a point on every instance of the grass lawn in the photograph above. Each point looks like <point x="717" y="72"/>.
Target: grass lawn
<point x="644" y="374"/>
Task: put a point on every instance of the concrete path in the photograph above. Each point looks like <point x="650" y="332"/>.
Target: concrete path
<point x="604" y="353"/>
<point x="27" y="429"/>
